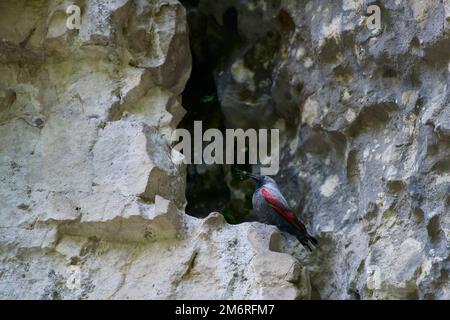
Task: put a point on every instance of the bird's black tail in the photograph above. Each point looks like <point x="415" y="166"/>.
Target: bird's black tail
<point x="312" y="240"/>
<point x="308" y="241"/>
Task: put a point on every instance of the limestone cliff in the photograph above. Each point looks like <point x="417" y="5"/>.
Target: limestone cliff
<point x="91" y="203"/>
<point x="93" y="207"/>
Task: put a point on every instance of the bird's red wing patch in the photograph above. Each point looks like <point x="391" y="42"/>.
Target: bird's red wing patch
<point x="286" y="214"/>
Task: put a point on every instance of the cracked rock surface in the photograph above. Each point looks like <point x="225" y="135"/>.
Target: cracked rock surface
<point x="364" y="122"/>
<point x="91" y="204"/>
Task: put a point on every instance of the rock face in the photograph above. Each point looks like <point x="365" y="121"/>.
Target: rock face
<point x="364" y="115"/>
<point x="92" y="206"/>
<point x="91" y="202"/>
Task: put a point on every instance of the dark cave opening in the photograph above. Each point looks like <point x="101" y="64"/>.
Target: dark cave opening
<point x="207" y="186"/>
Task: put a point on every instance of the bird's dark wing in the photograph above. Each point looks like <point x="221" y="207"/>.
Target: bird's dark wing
<point x="279" y="204"/>
<point x="276" y="200"/>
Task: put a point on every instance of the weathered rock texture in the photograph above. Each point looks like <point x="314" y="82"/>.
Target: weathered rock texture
<point x="92" y="206"/>
<point x="364" y="118"/>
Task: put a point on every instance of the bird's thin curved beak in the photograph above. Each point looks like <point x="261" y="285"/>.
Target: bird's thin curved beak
<point x="249" y="174"/>
<point x="254" y="177"/>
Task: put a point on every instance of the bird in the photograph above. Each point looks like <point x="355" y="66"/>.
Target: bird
<point x="270" y="207"/>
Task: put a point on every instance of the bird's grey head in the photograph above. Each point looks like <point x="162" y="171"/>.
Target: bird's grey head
<point x="261" y="180"/>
